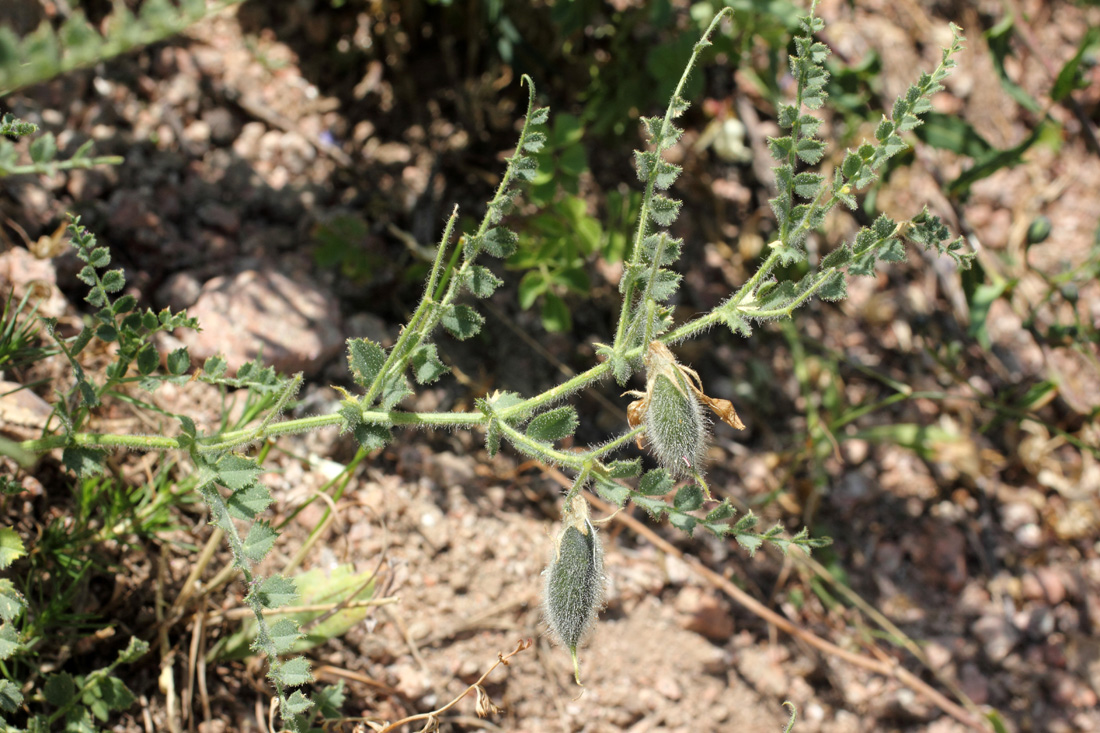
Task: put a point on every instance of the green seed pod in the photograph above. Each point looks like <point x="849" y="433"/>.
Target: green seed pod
<point x="672" y="409"/>
<point x="675" y="425"/>
<point x="1039" y="230"/>
<point x="574" y="586"/>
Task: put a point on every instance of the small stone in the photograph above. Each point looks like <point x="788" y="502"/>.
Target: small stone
<point x="998" y="636"/>
<point x="1069" y="691"/>
<point x="704" y="613"/>
<point x="21" y="271"/>
<point x="1039" y="623"/>
<point x="855" y="451"/>
<point x="196" y="137"/>
<point x="974" y="683"/>
<point x="668" y="687"/>
<point x="293" y="323"/>
<point x="1030" y="536"/>
<point x="297" y="152"/>
<point x="1016" y="514"/>
<point x="1051" y="582"/>
<point x="180" y="291"/>
<point x="939" y="656"/>
<point x="23" y="414"/>
<point x="247" y="144"/>
<point x="412" y="681"/>
<point x="448" y="470"/>
<point x="219" y="217"/>
<point x="678" y="571"/>
<point x="223" y="126"/>
<point x="761" y="668"/>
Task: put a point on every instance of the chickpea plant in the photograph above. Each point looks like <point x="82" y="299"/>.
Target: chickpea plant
<point x="670" y="415"/>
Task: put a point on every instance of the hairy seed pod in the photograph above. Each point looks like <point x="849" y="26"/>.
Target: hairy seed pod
<point x="574" y="586"/>
<point x="672" y="409"/>
<point x="675" y="424"/>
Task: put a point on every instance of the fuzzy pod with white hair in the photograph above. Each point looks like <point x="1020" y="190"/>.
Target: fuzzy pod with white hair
<point x="574" y="590"/>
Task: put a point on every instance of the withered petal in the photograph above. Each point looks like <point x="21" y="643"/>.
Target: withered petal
<point x="635" y="412"/>
<point x="724" y="410"/>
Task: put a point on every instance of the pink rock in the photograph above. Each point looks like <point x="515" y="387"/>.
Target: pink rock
<point x="293" y="323"/>
<point x="22" y="271"/>
<point x="704" y="613"/>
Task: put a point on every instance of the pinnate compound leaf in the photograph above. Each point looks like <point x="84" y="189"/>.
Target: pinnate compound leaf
<point x="724" y="510"/>
<point x="394" y="389"/>
<point x="750" y="542"/>
<point x="330" y="700"/>
<point x="667" y="173"/>
<point x="810" y="151"/>
<point x="625" y="469"/>
<point x="11" y="547"/>
<point x="655" y="483"/>
<point x="284" y="633"/>
<point x="11" y="601"/>
<point x="462" y="321"/>
<point x="276" y="592"/>
<point x="663" y="210"/>
<point x="59" y="689"/>
<point x="736" y="323"/>
<point x="297" y="703"/>
<point x="837" y="258"/>
<point x="612" y="491"/>
<point x="371" y="436"/>
<point x="553" y="425"/>
<point x="654" y="507"/>
<point x="534" y="141"/>
<point x="44" y="148"/>
<point x="426" y="365"/>
<point x="84" y="461"/>
<point x="11" y="699"/>
<point x="113" y="281"/>
<point x="664" y="285"/>
<point x="135" y="649"/>
<point x="365" y="359"/>
<point x="147" y="359"/>
<point x="481" y="281"/>
<point x="835" y="288"/>
<point x="644" y="161"/>
<point x="683" y="522"/>
<point x="292" y="672"/>
<point x="499" y="242"/>
<point x="539" y="116"/>
<point x="689" y="498"/>
<point x="525" y="168"/>
<point x="236" y="472"/>
<point x="249" y="501"/>
<point x="261" y="538"/>
<point x="179" y="361"/>
<point x="9" y="642"/>
<point x="109" y="694"/>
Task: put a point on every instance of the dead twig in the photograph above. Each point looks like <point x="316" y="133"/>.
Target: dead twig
<point x="485" y="706"/>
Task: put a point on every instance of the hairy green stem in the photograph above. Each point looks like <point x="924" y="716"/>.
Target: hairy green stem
<point x="413" y="329"/>
<point x="651" y="183"/>
<point x="60" y="165"/>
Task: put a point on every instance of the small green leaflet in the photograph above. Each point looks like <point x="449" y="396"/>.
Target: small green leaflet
<point x="462" y="321"/>
<point x="261" y="538"/>
<point x="553" y="425"/>
<point x="426" y="365"/>
<point x="365" y="359"/>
